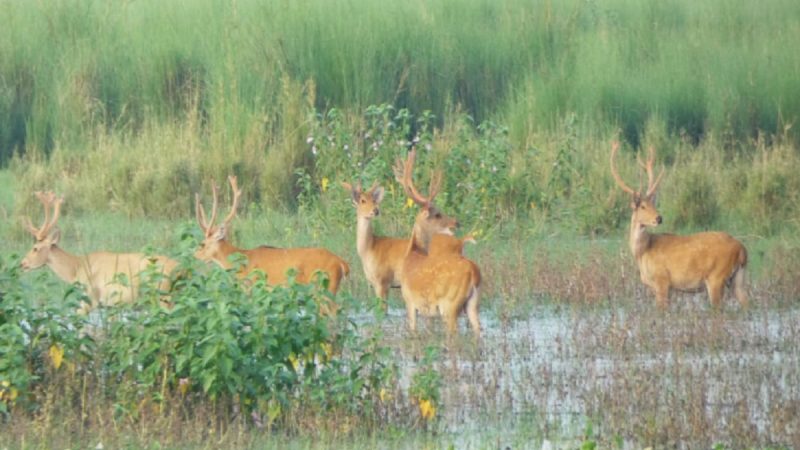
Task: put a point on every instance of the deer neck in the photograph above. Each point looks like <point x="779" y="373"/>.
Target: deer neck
<point x="64" y="264"/>
<point x="639" y="239"/>
<point x="364" y="236"/>
<point x="224" y="251"/>
<point x="420" y="240"/>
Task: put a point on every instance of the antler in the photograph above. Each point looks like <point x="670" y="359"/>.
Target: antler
<point x="617" y="178"/>
<point x="403" y="174"/>
<point x="208" y="225"/>
<point x="49" y="201"/>
<point x="201" y="213"/>
<point x="237" y="193"/>
<point x="648" y="167"/>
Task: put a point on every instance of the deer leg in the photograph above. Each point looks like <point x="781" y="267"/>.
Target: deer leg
<point x="451" y="320"/>
<point x="715" y="291"/>
<point x="472" y="311"/>
<point x="333" y="282"/>
<point x="382" y="291"/>
<point x="411" y="316"/>
<point x="662" y="295"/>
<point x="738" y="287"/>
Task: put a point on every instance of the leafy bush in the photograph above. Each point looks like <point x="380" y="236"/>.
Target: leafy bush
<point x="36" y="334"/>
<point x="215" y="339"/>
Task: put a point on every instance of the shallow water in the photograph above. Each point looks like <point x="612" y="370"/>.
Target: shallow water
<point x="685" y="379"/>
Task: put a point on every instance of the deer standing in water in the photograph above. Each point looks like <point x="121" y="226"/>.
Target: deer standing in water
<point x="382" y="257"/>
<point x="685" y="263"/>
<point x="446" y="282"/>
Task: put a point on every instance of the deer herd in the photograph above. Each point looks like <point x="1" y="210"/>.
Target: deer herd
<point x="429" y="266"/>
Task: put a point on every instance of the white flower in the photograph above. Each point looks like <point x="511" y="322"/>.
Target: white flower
<point x="309" y="139"/>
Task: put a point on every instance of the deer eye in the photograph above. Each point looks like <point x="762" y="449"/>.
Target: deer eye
<point x="438" y="215"/>
<point x="363" y="201"/>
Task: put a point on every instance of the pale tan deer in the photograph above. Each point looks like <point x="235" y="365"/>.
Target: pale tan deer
<point x="274" y="262"/>
<point x="684" y="263"/>
<point x="446" y="282"/>
<point x="382" y="257"/>
<point x="101" y="273"/>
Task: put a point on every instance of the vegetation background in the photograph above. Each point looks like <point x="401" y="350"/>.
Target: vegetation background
<point x="129" y="108"/>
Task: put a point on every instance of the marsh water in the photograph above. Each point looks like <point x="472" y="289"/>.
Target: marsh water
<point x="632" y="377"/>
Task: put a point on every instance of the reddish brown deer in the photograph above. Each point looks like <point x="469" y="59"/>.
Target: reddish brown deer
<point x="684" y="263"/>
<point x="382" y="257"/>
<point x="274" y="262"/>
<point x="98" y="272"/>
<point x="446" y="282"/>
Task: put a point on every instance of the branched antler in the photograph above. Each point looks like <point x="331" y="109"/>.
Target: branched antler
<point x="207" y="225"/>
<point x="403" y="173"/>
<point x="615" y="174"/>
<point x="652" y="185"/>
<point x="652" y="182"/>
<point x="50" y="202"/>
<point x="237" y="193"/>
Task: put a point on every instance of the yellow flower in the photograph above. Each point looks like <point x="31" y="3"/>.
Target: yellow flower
<point x="409" y="203"/>
<point x="56" y="355"/>
<point x="384" y="395"/>
<point x="328" y="349"/>
<point x="184" y="384"/>
<point x="324" y="183"/>
<point x="533" y="205"/>
<point x="427" y="409"/>
<point x="13" y="395"/>
<point x="293" y="360"/>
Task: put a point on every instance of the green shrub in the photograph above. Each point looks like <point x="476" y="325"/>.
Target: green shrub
<point x="214" y="340"/>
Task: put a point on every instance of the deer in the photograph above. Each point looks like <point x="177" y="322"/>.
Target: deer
<point x="98" y="272"/>
<point x="273" y="262"/>
<point x="381" y="256"/>
<point x="688" y="263"/>
<point x="429" y="282"/>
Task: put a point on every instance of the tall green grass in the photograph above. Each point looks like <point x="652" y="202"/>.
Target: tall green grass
<point x="133" y="107"/>
<point x="69" y="67"/>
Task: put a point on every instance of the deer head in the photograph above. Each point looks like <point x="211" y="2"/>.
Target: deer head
<point x="215" y="234"/>
<point x="47" y="236"/>
<point x="430" y="220"/>
<point x="644" y="212"/>
<point x="367" y="202"/>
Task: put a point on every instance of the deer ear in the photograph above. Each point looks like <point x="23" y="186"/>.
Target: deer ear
<point x="221" y="233"/>
<point x="377" y="194"/>
<point x="354" y="193"/>
<point x="652" y="199"/>
<point x="425" y="213"/>
<point x="54" y="236"/>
